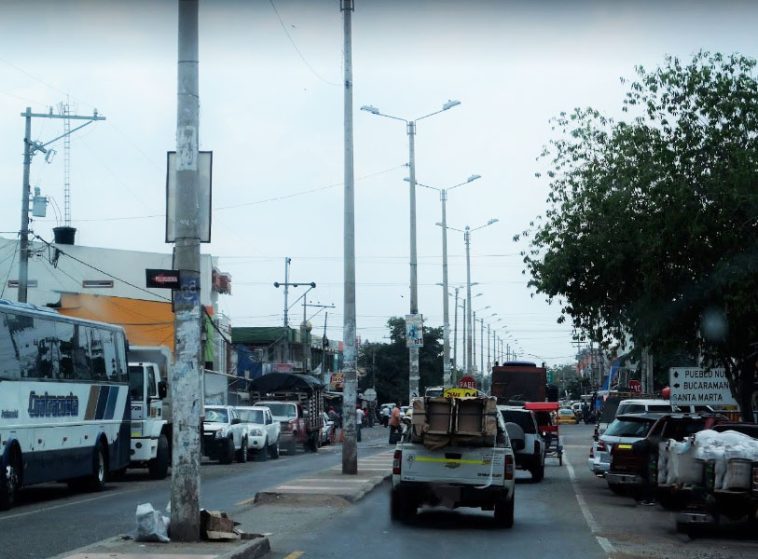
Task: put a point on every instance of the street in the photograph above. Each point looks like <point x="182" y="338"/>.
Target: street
<point x="570" y="513"/>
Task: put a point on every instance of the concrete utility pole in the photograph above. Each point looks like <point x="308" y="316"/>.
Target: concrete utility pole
<point x="350" y="390"/>
<point x="307" y="327"/>
<point x="455" y="331"/>
<point x="30" y="148"/>
<point x="186" y="374"/>
<point x="287" y="284"/>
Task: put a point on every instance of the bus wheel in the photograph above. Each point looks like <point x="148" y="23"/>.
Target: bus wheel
<point x="9" y="483"/>
<point x="96" y="481"/>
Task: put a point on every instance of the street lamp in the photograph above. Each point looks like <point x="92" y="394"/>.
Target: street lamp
<point x="445" y="306"/>
<point x="467" y="239"/>
<point x="413" y="350"/>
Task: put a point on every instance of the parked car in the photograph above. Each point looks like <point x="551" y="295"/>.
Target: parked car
<point x="532" y="456"/>
<point x="625" y="429"/>
<point x="224" y="435"/>
<point x="327" y="429"/>
<point x="263" y="432"/>
<point x="566" y="416"/>
<point x="613" y="407"/>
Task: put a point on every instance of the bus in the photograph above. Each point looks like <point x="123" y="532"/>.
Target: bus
<point x="64" y="400"/>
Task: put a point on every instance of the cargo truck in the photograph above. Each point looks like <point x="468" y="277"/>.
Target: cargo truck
<point x="516" y="382"/>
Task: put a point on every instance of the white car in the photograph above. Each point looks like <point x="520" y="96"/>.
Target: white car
<point x="327" y="429"/>
<point x="263" y="432"/>
<point x="224" y="435"/>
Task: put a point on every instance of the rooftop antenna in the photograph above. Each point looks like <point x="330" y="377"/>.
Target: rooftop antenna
<point x="65" y="111"/>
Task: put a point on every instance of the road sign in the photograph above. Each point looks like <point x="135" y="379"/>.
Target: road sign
<point x="697" y="386"/>
<point x="369" y="395"/>
<point x="460" y="393"/>
<point x="467" y="381"/>
<point x="414" y="330"/>
<point x="168" y="279"/>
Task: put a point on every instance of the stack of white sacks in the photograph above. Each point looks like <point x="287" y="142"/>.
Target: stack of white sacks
<point x="682" y="463"/>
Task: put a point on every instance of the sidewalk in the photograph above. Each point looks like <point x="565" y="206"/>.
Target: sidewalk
<point x="272" y="514"/>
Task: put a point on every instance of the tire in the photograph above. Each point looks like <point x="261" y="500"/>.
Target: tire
<point x="10" y="483"/>
<point x="158" y="466"/>
<point x="538" y="473"/>
<point x="617" y="489"/>
<point x="96" y="480"/>
<point x="263" y="452"/>
<point x="273" y="450"/>
<point x="291" y="448"/>
<point x="402" y="506"/>
<point x="242" y="452"/>
<point x="504" y="512"/>
<point x="227" y="454"/>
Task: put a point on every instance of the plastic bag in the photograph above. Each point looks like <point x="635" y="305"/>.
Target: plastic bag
<point x="152" y="526"/>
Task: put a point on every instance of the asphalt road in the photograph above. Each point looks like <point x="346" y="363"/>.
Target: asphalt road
<point x="50" y="519"/>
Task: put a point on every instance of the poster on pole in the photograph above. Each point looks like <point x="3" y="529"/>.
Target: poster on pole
<point x="698" y="386"/>
<point x="202" y="207"/>
<point x="414" y="330"/>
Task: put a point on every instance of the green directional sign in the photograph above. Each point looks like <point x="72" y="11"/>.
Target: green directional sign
<point x="550" y="376"/>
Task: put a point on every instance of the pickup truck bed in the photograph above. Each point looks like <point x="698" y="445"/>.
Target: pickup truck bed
<point x="454" y="477"/>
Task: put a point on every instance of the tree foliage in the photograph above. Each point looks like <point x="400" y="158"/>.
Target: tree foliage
<point x="650" y="229"/>
<point x="387" y="363"/>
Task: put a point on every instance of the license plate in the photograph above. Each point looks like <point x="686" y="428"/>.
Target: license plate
<point x="624" y="447"/>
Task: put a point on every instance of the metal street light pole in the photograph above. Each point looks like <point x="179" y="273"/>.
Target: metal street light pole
<point x="413" y="350"/>
<point x="445" y="304"/>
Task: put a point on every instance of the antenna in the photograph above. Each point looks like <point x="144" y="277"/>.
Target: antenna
<point x="65" y="111"/>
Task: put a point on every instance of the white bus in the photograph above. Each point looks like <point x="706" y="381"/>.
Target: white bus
<point x="64" y="392"/>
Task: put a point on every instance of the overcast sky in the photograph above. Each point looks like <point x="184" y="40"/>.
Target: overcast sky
<point x="271" y="111"/>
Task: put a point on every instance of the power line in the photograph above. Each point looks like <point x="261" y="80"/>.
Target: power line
<point x="299" y="53"/>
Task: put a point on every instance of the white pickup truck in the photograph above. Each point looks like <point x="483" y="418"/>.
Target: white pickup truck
<point x="455" y="476"/>
<point x="263" y="432"/>
<point x="224" y="435"/>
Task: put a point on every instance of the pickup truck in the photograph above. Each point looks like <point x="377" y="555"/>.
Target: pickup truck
<point x="635" y="465"/>
<point x="263" y="431"/>
<point x="224" y="435"/>
<point x="455" y="476"/>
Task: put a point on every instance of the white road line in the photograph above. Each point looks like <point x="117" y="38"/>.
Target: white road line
<point x="603" y="542"/>
<point x="56" y="507"/>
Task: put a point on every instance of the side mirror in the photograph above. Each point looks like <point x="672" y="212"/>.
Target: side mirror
<point x="595" y="438"/>
<point x="306" y="414"/>
<point x="236" y="421"/>
<point x="162" y="389"/>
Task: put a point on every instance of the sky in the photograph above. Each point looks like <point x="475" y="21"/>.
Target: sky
<point x="271" y="110"/>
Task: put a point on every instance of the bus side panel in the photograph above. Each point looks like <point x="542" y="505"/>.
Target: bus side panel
<point x="119" y="446"/>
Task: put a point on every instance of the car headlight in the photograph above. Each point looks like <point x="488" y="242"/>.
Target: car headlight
<point x="219" y="434"/>
<point x="256" y="432"/>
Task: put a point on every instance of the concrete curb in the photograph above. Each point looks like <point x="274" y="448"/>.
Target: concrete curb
<point x="291" y="497"/>
<point x="120" y="545"/>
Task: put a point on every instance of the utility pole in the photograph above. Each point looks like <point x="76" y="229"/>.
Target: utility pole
<point x="307" y="330"/>
<point x="186" y="379"/>
<point x="469" y="341"/>
<point x="472" y="336"/>
<point x="413" y="350"/>
<point x="287" y="284"/>
<point x="481" y="344"/>
<point x="464" y="330"/>
<point x="455" y="332"/>
<point x="30" y="148"/>
<point x="350" y="390"/>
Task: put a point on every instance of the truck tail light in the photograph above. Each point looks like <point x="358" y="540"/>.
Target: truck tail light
<point x="509" y="467"/>
<point x="601" y="446"/>
<point x="592" y="452"/>
<point x="397" y="461"/>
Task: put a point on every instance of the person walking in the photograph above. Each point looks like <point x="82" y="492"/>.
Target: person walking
<point x="359" y="415"/>
<point x="394" y="423"/>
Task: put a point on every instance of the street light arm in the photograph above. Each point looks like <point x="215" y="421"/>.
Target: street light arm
<point x="449" y="105"/>
<point x="490" y="222"/>
<point x="472" y="178"/>
<point x="438" y="224"/>
<point x="407" y="179"/>
<point x="374" y="111"/>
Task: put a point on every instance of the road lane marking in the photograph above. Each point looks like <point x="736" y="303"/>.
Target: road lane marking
<point x="63" y="505"/>
<point x="603" y="542"/>
<point x="294" y="555"/>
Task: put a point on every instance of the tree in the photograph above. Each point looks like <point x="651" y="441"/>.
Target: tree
<point x="391" y="365"/>
<point x="650" y="230"/>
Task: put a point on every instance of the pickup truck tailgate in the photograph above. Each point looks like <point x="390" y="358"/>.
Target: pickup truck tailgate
<point x="457" y="465"/>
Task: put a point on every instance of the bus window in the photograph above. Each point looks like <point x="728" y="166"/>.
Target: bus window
<point x="9" y="365"/>
<point x="65" y="332"/>
<point x="82" y="365"/>
<point x="109" y="354"/>
<point x="46" y="341"/>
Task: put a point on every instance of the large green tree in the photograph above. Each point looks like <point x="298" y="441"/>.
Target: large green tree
<point x="651" y="228"/>
<point x="386" y="364"/>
